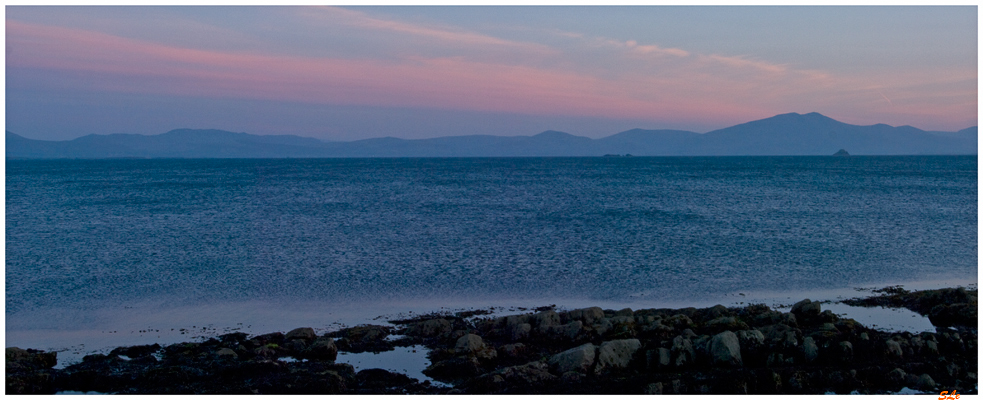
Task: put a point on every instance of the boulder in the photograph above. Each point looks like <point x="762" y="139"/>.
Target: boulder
<point x="305" y="334"/>
<point x="226" y="352"/>
<point x="472" y="345"/>
<point x="34" y="358"/>
<point x="544" y="320"/>
<point x="429" y="328"/>
<point x="586" y="315"/>
<point x="845" y="352"/>
<point x="658" y="359"/>
<point x="725" y="349"/>
<point x="654" y="388"/>
<point x="682" y="351"/>
<point x="809" y="349"/>
<point x="893" y="350"/>
<point x="527" y="374"/>
<point x="806" y="310"/>
<point x="725" y="324"/>
<point x="616" y="354"/>
<point x="679" y="322"/>
<point x="570" y="332"/>
<point x="519" y="331"/>
<point x="579" y="359"/>
<point x="926" y="383"/>
<point x="513" y="350"/>
<point x="323" y="348"/>
<point x="622" y="326"/>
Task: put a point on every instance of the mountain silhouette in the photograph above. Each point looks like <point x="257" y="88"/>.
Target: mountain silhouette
<point x="785" y="134"/>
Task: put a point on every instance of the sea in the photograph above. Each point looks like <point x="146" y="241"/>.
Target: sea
<point x="113" y="252"/>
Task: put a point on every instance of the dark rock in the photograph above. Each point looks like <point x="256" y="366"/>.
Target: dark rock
<point x="136" y="351"/>
<point x="380" y="378"/>
<point x="616" y="354"/>
<point x="429" y="328"/>
<point x="654" y="388"/>
<point x="682" y="351"/>
<point x="726" y="324"/>
<point x="579" y="359"/>
<point x="926" y="383"/>
<point x="806" y="310"/>
<point x="323" y="348"/>
<point x="658" y="359"/>
<point x="588" y="316"/>
<point x="473" y="345"/>
<point x="304" y="334"/>
<point x="725" y="350"/>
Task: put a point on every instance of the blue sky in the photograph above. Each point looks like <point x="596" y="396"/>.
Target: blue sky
<point x="344" y="73"/>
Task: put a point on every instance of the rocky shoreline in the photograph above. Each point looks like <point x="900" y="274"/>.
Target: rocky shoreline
<point x="716" y="350"/>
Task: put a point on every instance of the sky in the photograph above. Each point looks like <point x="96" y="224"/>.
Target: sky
<point x="348" y="73"/>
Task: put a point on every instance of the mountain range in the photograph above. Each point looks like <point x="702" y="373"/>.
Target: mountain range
<point x="785" y="134"/>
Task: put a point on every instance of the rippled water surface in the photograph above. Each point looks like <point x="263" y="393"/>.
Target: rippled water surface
<point x="87" y="236"/>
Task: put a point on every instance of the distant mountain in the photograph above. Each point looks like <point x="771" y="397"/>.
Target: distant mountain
<point x="785" y="134"/>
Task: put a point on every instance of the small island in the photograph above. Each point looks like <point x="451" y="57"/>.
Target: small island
<point x="841" y="153"/>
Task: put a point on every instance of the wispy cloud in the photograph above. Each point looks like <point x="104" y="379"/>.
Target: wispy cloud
<point x="439" y="33"/>
<point x="645" y="80"/>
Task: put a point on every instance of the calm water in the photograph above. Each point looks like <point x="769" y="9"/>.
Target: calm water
<point x="90" y="239"/>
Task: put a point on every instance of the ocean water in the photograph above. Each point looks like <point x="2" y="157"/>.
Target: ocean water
<point x="95" y="247"/>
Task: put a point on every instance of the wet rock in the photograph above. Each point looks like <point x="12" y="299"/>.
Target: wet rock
<point x="588" y="316"/>
<point x="654" y="388"/>
<point x="679" y="322"/>
<point x="621" y="327"/>
<point x="473" y="345"/>
<point x="513" y="350"/>
<point x="323" y="348"/>
<point x="809" y="349"/>
<point x="775" y="360"/>
<point x="305" y="334"/>
<point x="512" y="379"/>
<point x="265" y="352"/>
<point x="893" y="350"/>
<point x="226" y="352"/>
<point x="827" y="316"/>
<point x="603" y="326"/>
<point x="625" y="312"/>
<point x="527" y="374"/>
<point x="454" y="369"/>
<point x="520" y="331"/>
<point x="726" y="324"/>
<point x="616" y="354"/>
<point x="717" y="311"/>
<point x="897" y="376"/>
<point x="364" y="338"/>
<point x="429" y="328"/>
<point x="35" y="358"/>
<point x="946" y="315"/>
<point x="780" y="336"/>
<point x="751" y="340"/>
<point x="579" y="359"/>
<point x="376" y="378"/>
<point x="570" y="332"/>
<point x="682" y="351"/>
<point x="806" y="310"/>
<point x="136" y="351"/>
<point x="725" y="350"/>
<point x="29" y="371"/>
<point x="658" y="359"/>
<point x="545" y="320"/>
<point x="926" y="383"/>
<point x="845" y="352"/>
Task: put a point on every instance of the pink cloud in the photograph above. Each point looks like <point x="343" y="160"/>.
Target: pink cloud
<point x="684" y="86"/>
